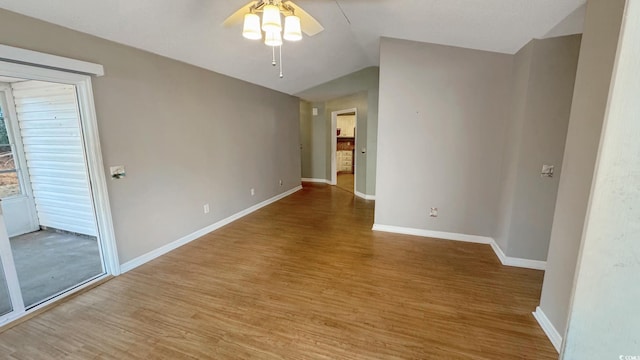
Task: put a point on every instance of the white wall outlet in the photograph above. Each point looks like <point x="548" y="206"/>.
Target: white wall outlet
<point x="253" y="191"/>
<point x="206" y="208"/>
<point x="280" y="182"/>
<point x="433" y="212"/>
<point x="117" y="172"/>
<point x="547" y="171"/>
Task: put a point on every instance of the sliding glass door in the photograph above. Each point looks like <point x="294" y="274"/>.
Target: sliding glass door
<point x="5" y="300"/>
<point x="56" y="232"/>
<point x="10" y="296"/>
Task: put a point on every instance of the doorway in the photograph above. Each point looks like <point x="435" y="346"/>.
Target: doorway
<point x="56" y="235"/>
<point x="343" y="149"/>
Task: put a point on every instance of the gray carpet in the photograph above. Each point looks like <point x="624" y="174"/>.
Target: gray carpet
<point x="49" y="262"/>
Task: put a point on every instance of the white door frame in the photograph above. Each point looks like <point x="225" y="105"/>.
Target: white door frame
<point x="334" y="146"/>
<point x="95" y="167"/>
<point x="25" y="199"/>
<point x="11" y="276"/>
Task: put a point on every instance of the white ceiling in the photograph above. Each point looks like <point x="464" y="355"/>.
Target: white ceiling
<point x="191" y="31"/>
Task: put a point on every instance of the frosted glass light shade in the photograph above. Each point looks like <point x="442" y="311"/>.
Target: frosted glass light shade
<point x="273" y="38"/>
<point x="271" y="21"/>
<point x="292" y="30"/>
<point x="251" y="28"/>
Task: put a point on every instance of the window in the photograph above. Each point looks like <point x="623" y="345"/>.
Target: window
<point x="9" y="183"/>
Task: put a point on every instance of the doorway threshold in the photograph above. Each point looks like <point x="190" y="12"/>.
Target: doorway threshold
<point x="54" y="301"/>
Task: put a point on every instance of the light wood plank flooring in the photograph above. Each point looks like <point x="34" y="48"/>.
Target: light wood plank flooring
<point x="345" y="182"/>
<point x="304" y="278"/>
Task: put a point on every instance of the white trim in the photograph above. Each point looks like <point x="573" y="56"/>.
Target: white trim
<point x="132" y="264"/>
<point x="8" y="268"/>
<point x="517" y="262"/>
<point x="334" y="146"/>
<point x="324" y="181"/>
<point x="548" y="328"/>
<point x="334" y="149"/>
<point x="364" y="196"/>
<point x="433" y="234"/>
<point x="97" y="177"/>
<point x="13" y="128"/>
<point x="354" y="160"/>
<point x="35" y="58"/>
<point x="505" y="260"/>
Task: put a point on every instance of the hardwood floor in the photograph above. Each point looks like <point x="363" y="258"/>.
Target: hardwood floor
<point x="304" y="278"/>
<point x="345" y="181"/>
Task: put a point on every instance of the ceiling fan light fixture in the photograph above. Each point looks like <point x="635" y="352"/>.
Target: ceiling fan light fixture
<point x="251" y="29"/>
<point x="271" y="21"/>
<point x="266" y="16"/>
<point x="292" y="29"/>
<point x="273" y="38"/>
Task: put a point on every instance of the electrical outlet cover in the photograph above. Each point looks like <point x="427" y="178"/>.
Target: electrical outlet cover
<point x="547" y="170"/>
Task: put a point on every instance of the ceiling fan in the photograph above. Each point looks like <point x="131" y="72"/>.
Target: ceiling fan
<point x="296" y="21"/>
<point x="309" y="25"/>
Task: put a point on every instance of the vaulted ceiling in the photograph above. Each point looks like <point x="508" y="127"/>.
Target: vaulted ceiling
<point x="192" y="31"/>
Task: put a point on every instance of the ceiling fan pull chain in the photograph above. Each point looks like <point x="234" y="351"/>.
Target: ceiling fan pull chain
<point x="280" y="48"/>
<point x="273" y="57"/>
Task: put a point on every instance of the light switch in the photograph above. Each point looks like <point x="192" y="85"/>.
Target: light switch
<point x="117" y="172"/>
<point x="314" y="111"/>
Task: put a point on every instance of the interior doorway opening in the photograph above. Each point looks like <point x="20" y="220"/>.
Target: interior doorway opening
<point x="343" y="149"/>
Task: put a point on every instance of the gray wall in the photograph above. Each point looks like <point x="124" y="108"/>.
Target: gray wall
<point x="187" y="136"/>
<point x="357" y="90"/>
<point x="595" y="66"/>
<point x="441" y="133"/>
<point x="306" y="118"/>
<point x="372" y="139"/>
<point x="511" y="152"/>
<point x="313" y="141"/>
<point x="361" y="80"/>
<point x="543" y="88"/>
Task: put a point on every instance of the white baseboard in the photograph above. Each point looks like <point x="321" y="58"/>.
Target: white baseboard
<point x="505" y="260"/>
<point x="548" y="328"/>
<point x="364" y="196"/>
<point x="132" y="264"/>
<point x="517" y="262"/>
<point x="433" y="234"/>
<point x="323" y="181"/>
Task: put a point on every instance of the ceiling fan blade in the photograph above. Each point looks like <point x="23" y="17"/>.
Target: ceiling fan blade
<point x="310" y="26"/>
<point x="238" y="16"/>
